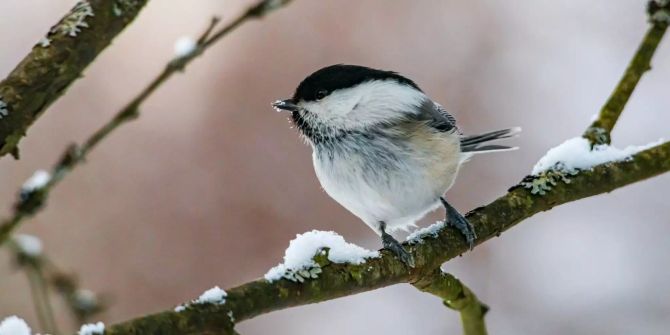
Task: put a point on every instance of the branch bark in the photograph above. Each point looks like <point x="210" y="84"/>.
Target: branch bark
<point x="57" y="61"/>
<point x="599" y="131"/>
<point x="338" y="280"/>
<point x="458" y="297"/>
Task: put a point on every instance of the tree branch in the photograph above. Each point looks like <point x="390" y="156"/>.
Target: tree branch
<point x="42" y="275"/>
<point x="599" y="131"/>
<point x="57" y="61"/>
<point x="30" y="203"/>
<point x="458" y="297"/>
<point x="339" y="280"/>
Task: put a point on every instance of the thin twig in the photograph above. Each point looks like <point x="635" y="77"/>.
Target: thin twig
<point x="32" y="266"/>
<point x="599" y="132"/>
<point x="32" y="202"/>
<point x="44" y="274"/>
<point x="458" y="297"/>
<point x="37" y="301"/>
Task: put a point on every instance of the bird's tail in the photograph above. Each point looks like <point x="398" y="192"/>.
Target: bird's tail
<point x="476" y="144"/>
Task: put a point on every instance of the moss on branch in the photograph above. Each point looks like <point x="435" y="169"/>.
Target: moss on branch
<point x="57" y="61"/>
<point x="599" y="131"/>
<point x="339" y="280"/>
<point x="458" y="297"/>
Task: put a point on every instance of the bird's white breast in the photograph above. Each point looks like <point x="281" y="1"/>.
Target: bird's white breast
<point x="395" y="180"/>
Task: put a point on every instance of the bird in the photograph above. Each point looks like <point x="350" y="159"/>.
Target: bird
<point x="383" y="149"/>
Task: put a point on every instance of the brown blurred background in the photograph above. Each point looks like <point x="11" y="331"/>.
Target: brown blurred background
<point x="210" y="184"/>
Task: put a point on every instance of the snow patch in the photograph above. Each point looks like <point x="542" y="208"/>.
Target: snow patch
<point x="86" y="299"/>
<point x="298" y="258"/>
<point x="418" y="235"/>
<point x="575" y="154"/>
<point x="38" y="180"/>
<point x="14" y="325"/>
<point x="28" y="244"/>
<point x="214" y="295"/>
<point x="92" y="329"/>
<point x="184" y="46"/>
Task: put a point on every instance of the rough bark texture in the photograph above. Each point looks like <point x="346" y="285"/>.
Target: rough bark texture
<point x="338" y="280"/>
<point x="30" y="203"/>
<point x="53" y="64"/>
<point x="458" y="297"/>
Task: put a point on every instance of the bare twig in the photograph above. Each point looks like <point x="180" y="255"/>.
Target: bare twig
<point x="33" y="201"/>
<point x="43" y="275"/>
<point x="599" y="131"/>
<point x="32" y="265"/>
<point x="458" y="297"/>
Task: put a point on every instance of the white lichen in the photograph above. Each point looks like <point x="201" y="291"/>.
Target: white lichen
<point x="545" y="181"/>
<point x="661" y="16"/>
<point x="117" y="10"/>
<point x="3" y="109"/>
<point x="231" y="316"/>
<point x="75" y="21"/>
<point x="45" y="42"/>
<point x="92" y="329"/>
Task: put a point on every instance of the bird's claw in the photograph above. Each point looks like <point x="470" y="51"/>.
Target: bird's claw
<point x="456" y="220"/>
<point x="394" y="246"/>
<point x="465" y="228"/>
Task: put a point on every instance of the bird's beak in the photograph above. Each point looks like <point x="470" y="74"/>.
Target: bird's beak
<point x="285" y="105"/>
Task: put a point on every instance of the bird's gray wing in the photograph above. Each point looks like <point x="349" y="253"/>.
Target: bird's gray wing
<point x="437" y="117"/>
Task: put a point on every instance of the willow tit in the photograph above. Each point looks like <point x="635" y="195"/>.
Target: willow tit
<point x="382" y="148"/>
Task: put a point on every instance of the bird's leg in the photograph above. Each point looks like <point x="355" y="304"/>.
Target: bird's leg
<point x="392" y="244"/>
<point x="456" y="220"/>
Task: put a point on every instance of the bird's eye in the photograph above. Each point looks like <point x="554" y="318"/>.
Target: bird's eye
<point x="320" y="94"/>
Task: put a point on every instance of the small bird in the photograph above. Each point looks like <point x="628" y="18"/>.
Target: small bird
<point x="383" y="149"/>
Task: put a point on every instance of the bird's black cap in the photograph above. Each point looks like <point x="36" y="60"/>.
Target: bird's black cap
<point x="339" y="76"/>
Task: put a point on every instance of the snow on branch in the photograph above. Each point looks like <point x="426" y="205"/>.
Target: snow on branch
<point x="299" y="264"/>
<point x="14" y="325"/>
<point x="338" y="280"/>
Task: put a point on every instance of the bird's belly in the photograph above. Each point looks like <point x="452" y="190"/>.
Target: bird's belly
<point x="376" y="186"/>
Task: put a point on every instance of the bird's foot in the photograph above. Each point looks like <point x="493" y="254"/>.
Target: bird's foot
<point x="394" y="246"/>
<point x="456" y="220"/>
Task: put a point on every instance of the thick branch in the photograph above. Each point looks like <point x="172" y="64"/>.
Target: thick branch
<point x="57" y="61"/>
<point x="32" y="202"/>
<point x="599" y="131"/>
<point x="338" y="280"/>
<point x="458" y="297"/>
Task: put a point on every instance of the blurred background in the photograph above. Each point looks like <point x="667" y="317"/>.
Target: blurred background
<point x="210" y="184"/>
